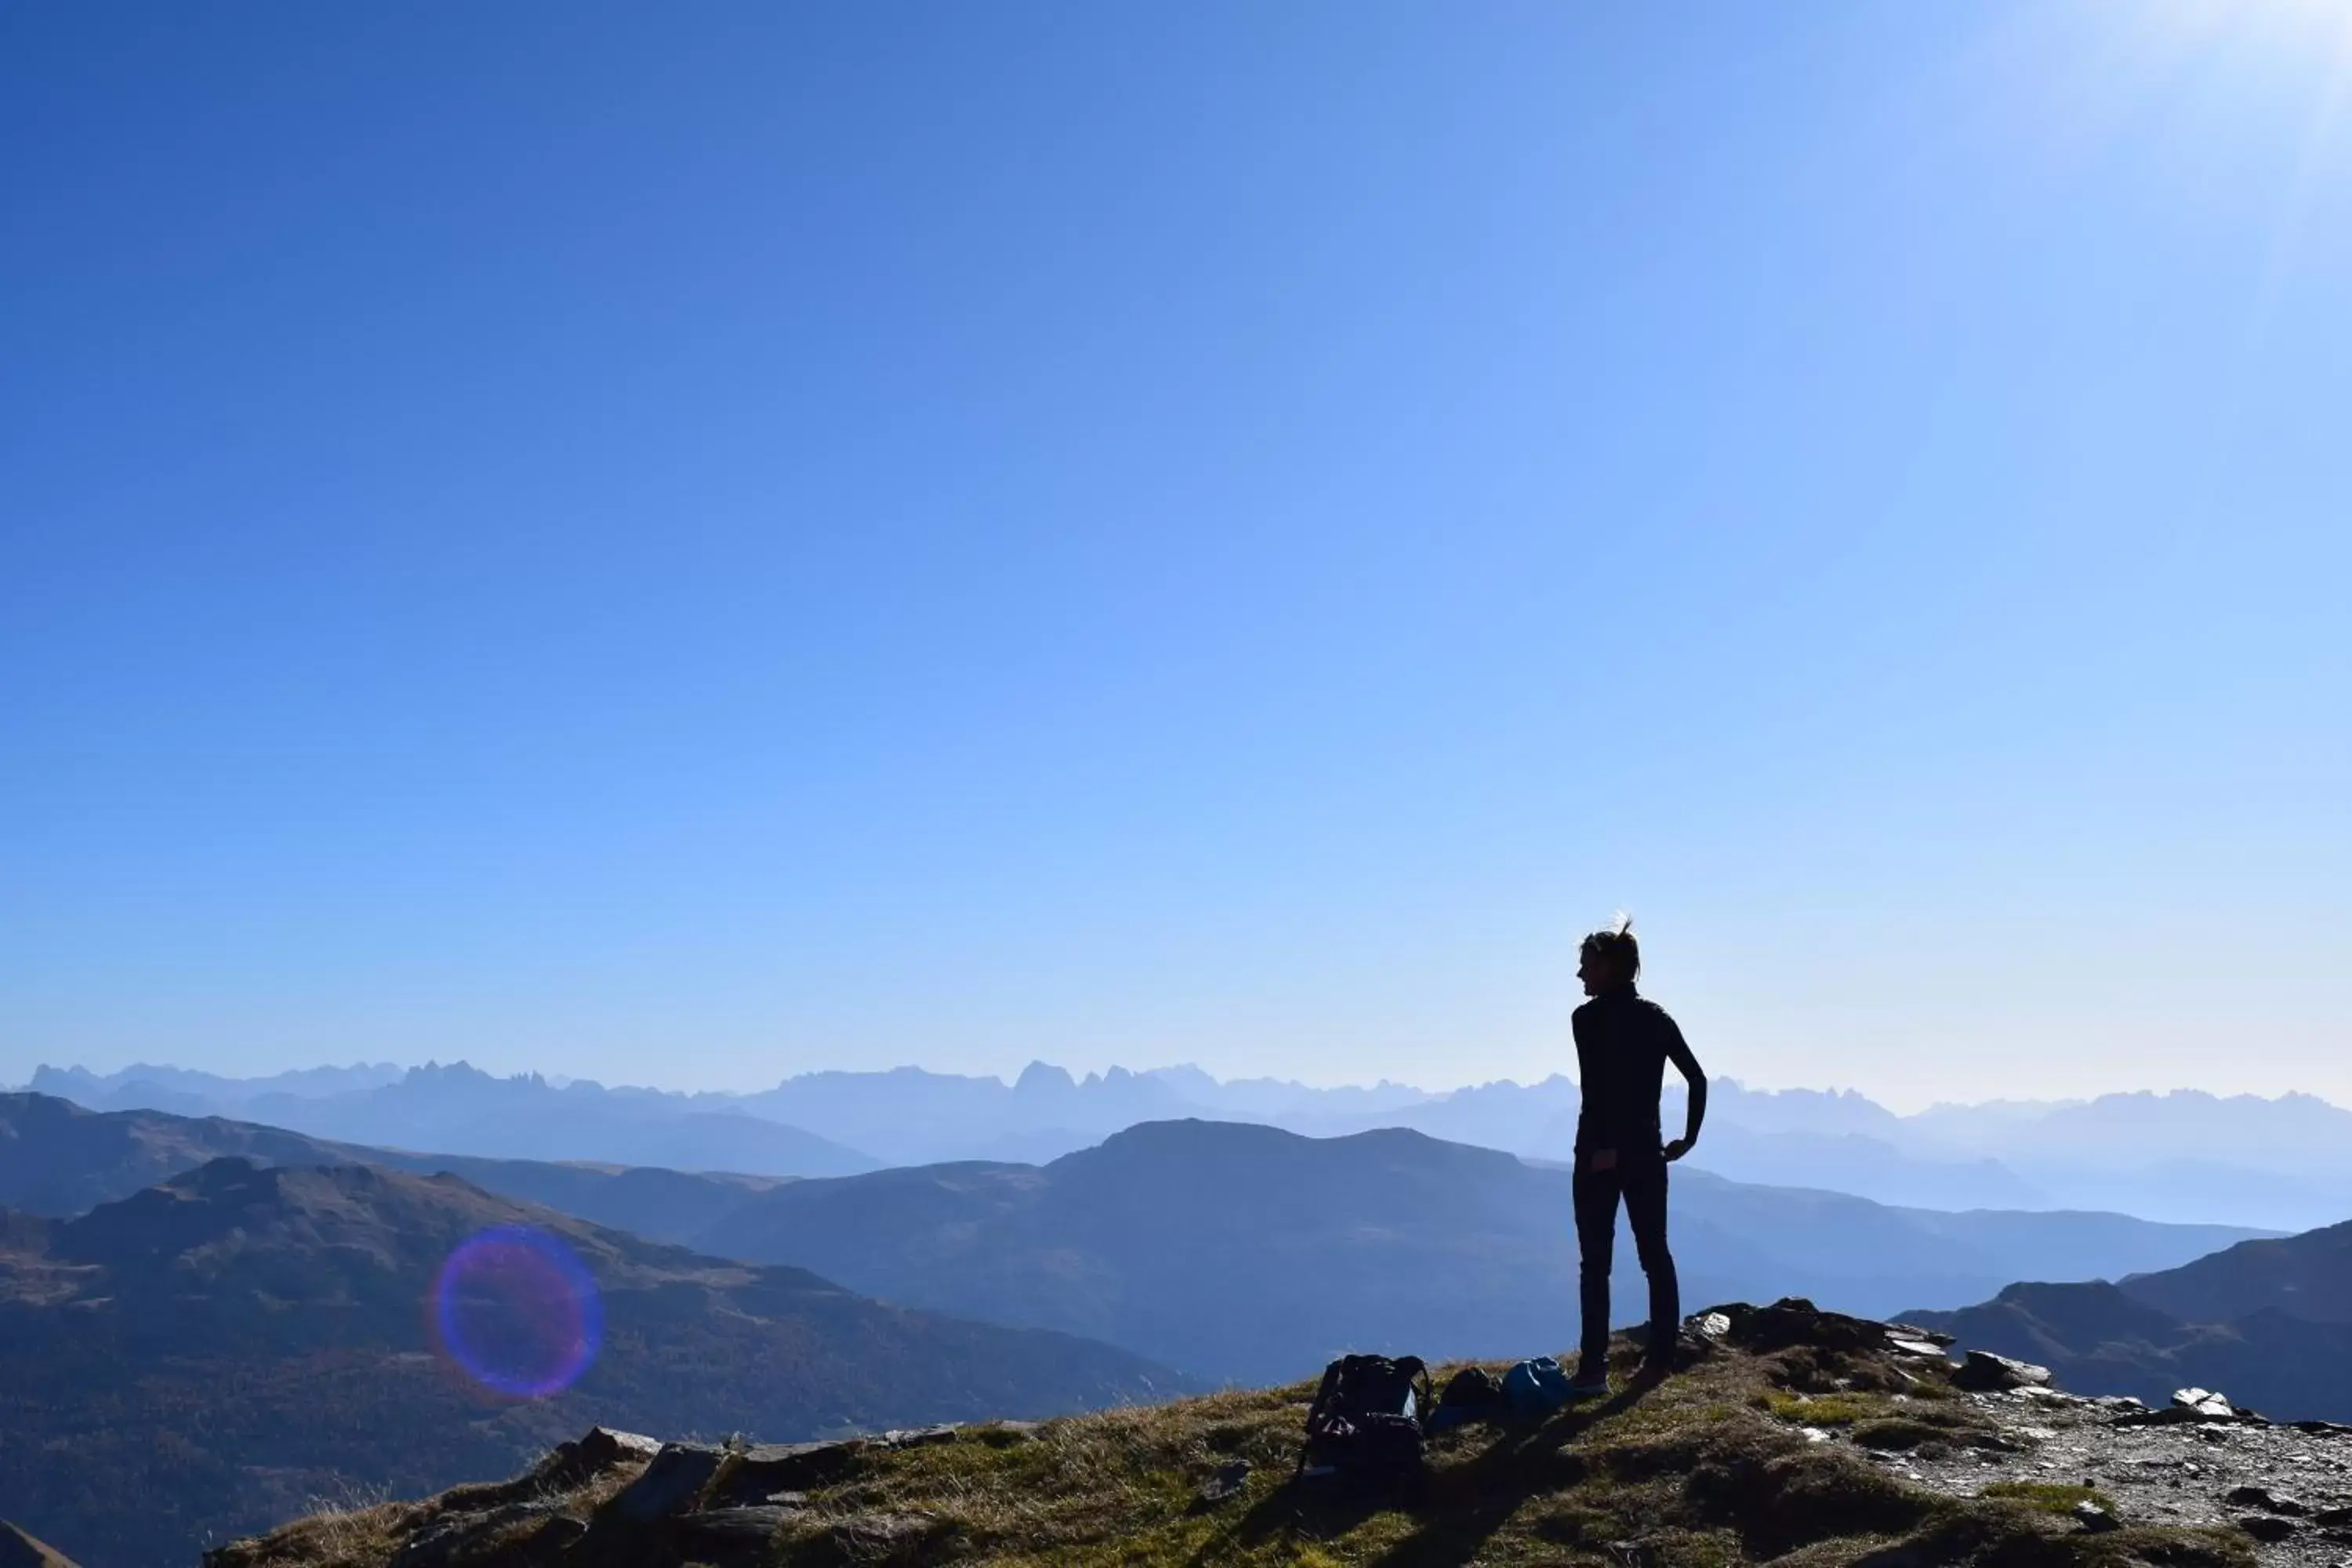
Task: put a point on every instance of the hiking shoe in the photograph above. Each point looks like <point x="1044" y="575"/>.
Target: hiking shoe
<point x="1589" y="1385"/>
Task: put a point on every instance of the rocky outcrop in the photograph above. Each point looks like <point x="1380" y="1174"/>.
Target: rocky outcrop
<point x="1787" y="1424"/>
<point x="616" y="1498"/>
<point x="1985" y="1372"/>
<point x="2199" y="1461"/>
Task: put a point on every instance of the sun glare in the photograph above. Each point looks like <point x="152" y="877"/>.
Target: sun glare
<point x="2299" y="25"/>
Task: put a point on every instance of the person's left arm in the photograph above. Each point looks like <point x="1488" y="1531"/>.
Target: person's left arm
<point x="1678" y="1052"/>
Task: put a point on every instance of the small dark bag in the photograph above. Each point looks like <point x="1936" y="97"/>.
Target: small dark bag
<point x="1473" y="1393"/>
<point x="1367" y="1415"/>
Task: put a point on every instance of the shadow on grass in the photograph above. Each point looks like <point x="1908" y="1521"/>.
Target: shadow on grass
<point x="1458" y="1504"/>
<point x="1468" y="1502"/>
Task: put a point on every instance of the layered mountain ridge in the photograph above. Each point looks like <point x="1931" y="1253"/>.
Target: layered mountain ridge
<point x="241" y="1339"/>
<point x="1245" y="1252"/>
<point x="2282" y="1163"/>
<point x="254" y="1296"/>
<point x="2269" y="1320"/>
<point x="1232" y="1250"/>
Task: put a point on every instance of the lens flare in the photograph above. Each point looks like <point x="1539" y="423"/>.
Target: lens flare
<point x="516" y="1311"/>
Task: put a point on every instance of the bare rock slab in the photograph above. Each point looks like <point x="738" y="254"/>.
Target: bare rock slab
<point x="2267" y="1527"/>
<point x="2094" y="1519"/>
<point x="1985" y="1372"/>
<point x="672" y="1484"/>
<point x="758" y="1474"/>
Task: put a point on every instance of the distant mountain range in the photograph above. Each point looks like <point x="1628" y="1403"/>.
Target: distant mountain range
<point x="2275" y="1164"/>
<point x="456" y="1110"/>
<point x="1249" y="1253"/>
<point x="194" y="1361"/>
<point x="1232" y="1250"/>
<point x="60" y="1160"/>
<point x="2268" y="1323"/>
<point x="193" y="1341"/>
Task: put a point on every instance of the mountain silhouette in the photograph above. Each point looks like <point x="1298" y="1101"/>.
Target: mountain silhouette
<point x="2282" y="1164"/>
<point x="60" y="1160"/>
<point x="458" y="1110"/>
<point x="2307" y="1276"/>
<point x="1244" y="1252"/>
<point x="204" y="1346"/>
<point x="2268" y="1322"/>
<point x="1374" y="1213"/>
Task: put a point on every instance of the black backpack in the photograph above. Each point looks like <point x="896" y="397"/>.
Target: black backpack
<point x="1367" y="1415"/>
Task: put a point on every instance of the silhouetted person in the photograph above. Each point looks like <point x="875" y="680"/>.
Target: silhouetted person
<point x="1623" y="1043"/>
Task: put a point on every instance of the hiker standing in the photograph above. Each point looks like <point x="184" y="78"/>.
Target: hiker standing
<point x="1624" y="1042"/>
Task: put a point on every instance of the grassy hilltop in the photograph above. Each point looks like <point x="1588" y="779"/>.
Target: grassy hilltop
<point x="1729" y="1462"/>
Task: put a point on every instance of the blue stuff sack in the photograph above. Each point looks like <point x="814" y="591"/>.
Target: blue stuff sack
<point x="1536" y="1387"/>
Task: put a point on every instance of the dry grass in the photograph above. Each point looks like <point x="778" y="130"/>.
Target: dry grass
<point x="1896" y="1422"/>
<point x="1704" y="1469"/>
<point x="358" y="1533"/>
<point x="2051" y="1496"/>
<point x="336" y="1536"/>
<point x="1823" y="1409"/>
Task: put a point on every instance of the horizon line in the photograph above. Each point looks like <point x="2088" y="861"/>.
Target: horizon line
<point x="563" y="1080"/>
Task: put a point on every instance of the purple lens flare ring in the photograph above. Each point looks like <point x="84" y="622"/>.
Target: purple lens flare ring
<point x="516" y="1311"/>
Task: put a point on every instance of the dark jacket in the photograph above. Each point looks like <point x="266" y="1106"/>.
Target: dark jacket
<point x="1622" y="1043"/>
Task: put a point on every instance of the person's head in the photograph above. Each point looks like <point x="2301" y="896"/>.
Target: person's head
<point x="1610" y="959"/>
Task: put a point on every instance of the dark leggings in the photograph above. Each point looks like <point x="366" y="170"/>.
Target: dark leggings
<point x="1642" y="1185"/>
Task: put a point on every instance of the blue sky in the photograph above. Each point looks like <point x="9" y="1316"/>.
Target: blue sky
<point x="684" y="547"/>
